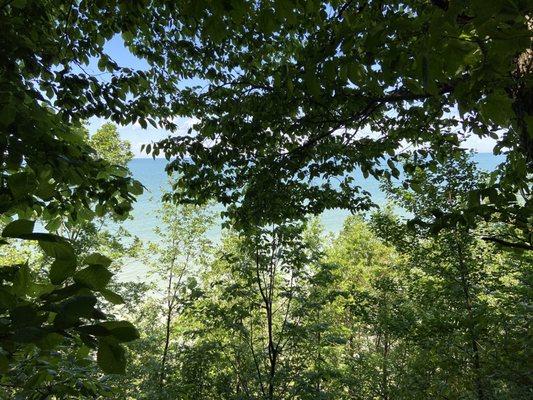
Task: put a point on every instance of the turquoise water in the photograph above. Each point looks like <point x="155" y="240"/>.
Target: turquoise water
<point x="151" y="173"/>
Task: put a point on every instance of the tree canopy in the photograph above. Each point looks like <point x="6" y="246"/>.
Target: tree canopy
<point x="291" y="95"/>
<point x="108" y="145"/>
<point x="295" y="95"/>
<point x="293" y="98"/>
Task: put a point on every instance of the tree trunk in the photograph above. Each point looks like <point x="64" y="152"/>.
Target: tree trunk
<point x="167" y="342"/>
<point x="385" y="368"/>
<point x="168" y="323"/>
<point x="476" y="359"/>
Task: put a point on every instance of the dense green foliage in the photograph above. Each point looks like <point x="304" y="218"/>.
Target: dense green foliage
<point x="293" y="98"/>
<point x="383" y="310"/>
<point x="288" y="91"/>
<point x="51" y="174"/>
<point x="108" y="145"/>
<point x="301" y="94"/>
<point x="56" y="307"/>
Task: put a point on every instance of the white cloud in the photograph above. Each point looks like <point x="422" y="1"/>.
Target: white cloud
<point x="479" y="145"/>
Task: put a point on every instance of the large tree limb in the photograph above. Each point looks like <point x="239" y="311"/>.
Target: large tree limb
<point x="523" y="246"/>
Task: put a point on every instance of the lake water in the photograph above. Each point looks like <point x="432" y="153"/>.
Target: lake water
<point x="151" y="173"/>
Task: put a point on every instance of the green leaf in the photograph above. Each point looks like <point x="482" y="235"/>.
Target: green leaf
<point x="312" y="84"/>
<point x="102" y="63"/>
<point x="94" y="276"/>
<point x="79" y="306"/>
<point x="23" y="315"/>
<point x="74" y="308"/>
<point x="355" y="72"/>
<point x="29" y="334"/>
<point x="4" y="363"/>
<point x="7" y="300"/>
<point x="18" y="228"/>
<point x="123" y="331"/>
<point x="111" y="357"/>
<point x="497" y="108"/>
<point x="89" y="341"/>
<point x="37" y="379"/>
<point x="136" y="188"/>
<point x="473" y="198"/>
<point x="127" y="36"/>
<point x="61" y="269"/>
<point x="425" y="72"/>
<point x="58" y="250"/>
<point x="112" y="297"/>
<point x="529" y="122"/>
<point x="21" y="280"/>
<point x="19" y="3"/>
<point x="7" y="114"/>
<point x="50" y="341"/>
<point x="42" y="236"/>
<point x="21" y="184"/>
<point x="94" y="330"/>
<point x="98" y="259"/>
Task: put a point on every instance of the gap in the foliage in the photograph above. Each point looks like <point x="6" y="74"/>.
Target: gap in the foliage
<point x="151" y="173"/>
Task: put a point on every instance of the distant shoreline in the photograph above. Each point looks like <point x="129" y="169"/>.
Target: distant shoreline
<point x="163" y="158"/>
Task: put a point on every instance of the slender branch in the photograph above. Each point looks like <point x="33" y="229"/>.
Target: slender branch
<point x="256" y="363"/>
<point x="523" y="246"/>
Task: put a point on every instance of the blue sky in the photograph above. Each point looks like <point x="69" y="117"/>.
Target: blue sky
<point x="138" y="136"/>
<point x="133" y="133"/>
